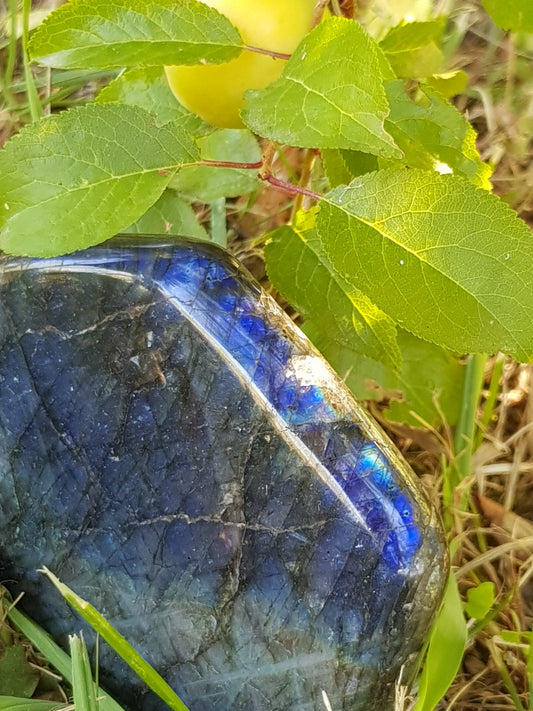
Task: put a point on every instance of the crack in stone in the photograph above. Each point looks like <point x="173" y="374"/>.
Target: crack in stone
<point x="132" y="312"/>
<point x="242" y="525"/>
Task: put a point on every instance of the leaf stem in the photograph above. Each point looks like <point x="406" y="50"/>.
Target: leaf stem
<point x="464" y="434"/>
<point x="510" y="72"/>
<point x="264" y="167"/>
<point x="336" y="8"/>
<point x="289" y="188"/>
<point x="231" y="164"/>
<point x="268" y="52"/>
<point x="319" y="12"/>
<point x="305" y="176"/>
<point x="504" y="673"/>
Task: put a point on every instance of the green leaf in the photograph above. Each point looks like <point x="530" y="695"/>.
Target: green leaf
<point x="147" y="87"/>
<point x="479" y="600"/>
<point x="427" y="389"/>
<point x="448" y="262"/>
<point x="101" y="34"/>
<point x="204" y="183"/>
<point x="445" y="651"/>
<point x="12" y="703"/>
<point x="514" y="15"/>
<point x="434" y="135"/>
<point x="17" y="676"/>
<point x="170" y="215"/>
<point x="448" y="84"/>
<point x="388" y="13"/>
<point x="412" y="48"/>
<point x="341" y="165"/>
<point x="84" y="175"/>
<point x="300" y="271"/>
<point x="330" y="94"/>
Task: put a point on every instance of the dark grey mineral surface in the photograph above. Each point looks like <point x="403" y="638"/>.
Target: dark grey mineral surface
<point x="173" y="448"/>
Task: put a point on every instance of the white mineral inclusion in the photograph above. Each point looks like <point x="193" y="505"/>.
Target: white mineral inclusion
<point x="309" y="370"/>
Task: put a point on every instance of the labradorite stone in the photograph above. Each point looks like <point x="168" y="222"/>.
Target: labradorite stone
<point x="172" y="447"/>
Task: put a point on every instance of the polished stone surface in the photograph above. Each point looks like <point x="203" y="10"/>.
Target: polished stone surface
<point x="173" y="448"/>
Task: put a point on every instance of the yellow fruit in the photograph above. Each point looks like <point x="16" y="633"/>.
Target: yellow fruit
<point x="216" y="92"/>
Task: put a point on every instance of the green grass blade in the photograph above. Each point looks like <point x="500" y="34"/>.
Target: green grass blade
<point x="464" y="434"/>
<point x="83" y="686"/>
<point x="11" y="55"/>
<point x="491" y="401"/>
<point x="13" y="703"/>
<point x="218" y="222"/>
<point x="59" y="659"/>
<point x="119" y="644"/>
<point x="36" y="109"/>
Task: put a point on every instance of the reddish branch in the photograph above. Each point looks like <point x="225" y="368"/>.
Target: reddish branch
<point x="265" y="174"/>
<point x="289" y="188"/>
<point x="233" y="164"/>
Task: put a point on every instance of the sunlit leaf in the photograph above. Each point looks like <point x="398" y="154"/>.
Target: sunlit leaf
<point x="515" y="15"/>
<point x="412" y="48"/>
<point x="426" y="389"/>
<point x="330" y="95"/>
<point x="100" y="34"/>
<point x="299" y="269"/>
<point x="448" y="83"/>
<point x="479" y="600"/>
<point x="434" y="135"/>
<point x="147" y="87"/>
<point x="74" y="179"/>
<point x="448" y="262"/>
<point x="445" y="651"/>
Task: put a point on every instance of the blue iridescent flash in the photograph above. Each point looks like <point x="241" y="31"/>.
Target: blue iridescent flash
<point x="208" y="292"/>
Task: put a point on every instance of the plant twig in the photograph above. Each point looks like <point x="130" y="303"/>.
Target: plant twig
<point x="289" y="188"/>
<point x="268" y="52"/>
<point x="231" y="164"/>
<point x="307" y="168"/>
<point x="320" y="8"/>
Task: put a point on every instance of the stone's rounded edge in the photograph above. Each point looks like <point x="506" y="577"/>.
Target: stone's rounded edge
<point x="305" y="388"/>
<point x="312" y="391"/>
<point x="247" y="321"/>
<point x="417" y="549"/>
